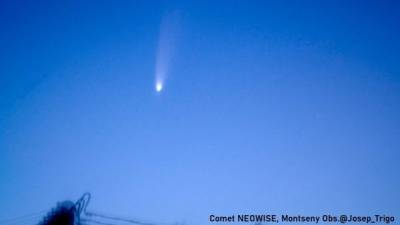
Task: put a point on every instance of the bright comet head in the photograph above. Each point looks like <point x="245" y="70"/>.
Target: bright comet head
<point x="159" y="86"/>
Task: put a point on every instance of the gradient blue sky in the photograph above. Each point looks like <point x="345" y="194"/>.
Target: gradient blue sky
<point x="269" y="106"/>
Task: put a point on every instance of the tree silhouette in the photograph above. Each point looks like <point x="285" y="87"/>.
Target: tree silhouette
<point x="64" y="214"/>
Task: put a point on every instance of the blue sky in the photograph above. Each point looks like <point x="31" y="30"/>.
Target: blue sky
<point x="269" y="106"/>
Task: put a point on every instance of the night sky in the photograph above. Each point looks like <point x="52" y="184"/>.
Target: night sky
<point x="267" y="106"/>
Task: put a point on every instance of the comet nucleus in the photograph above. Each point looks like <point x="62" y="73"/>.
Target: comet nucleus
<point x="159" y="86"/>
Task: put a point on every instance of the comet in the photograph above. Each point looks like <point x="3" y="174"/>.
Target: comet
<point x="159" y="86"/>
<point x="166" y="49"/>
